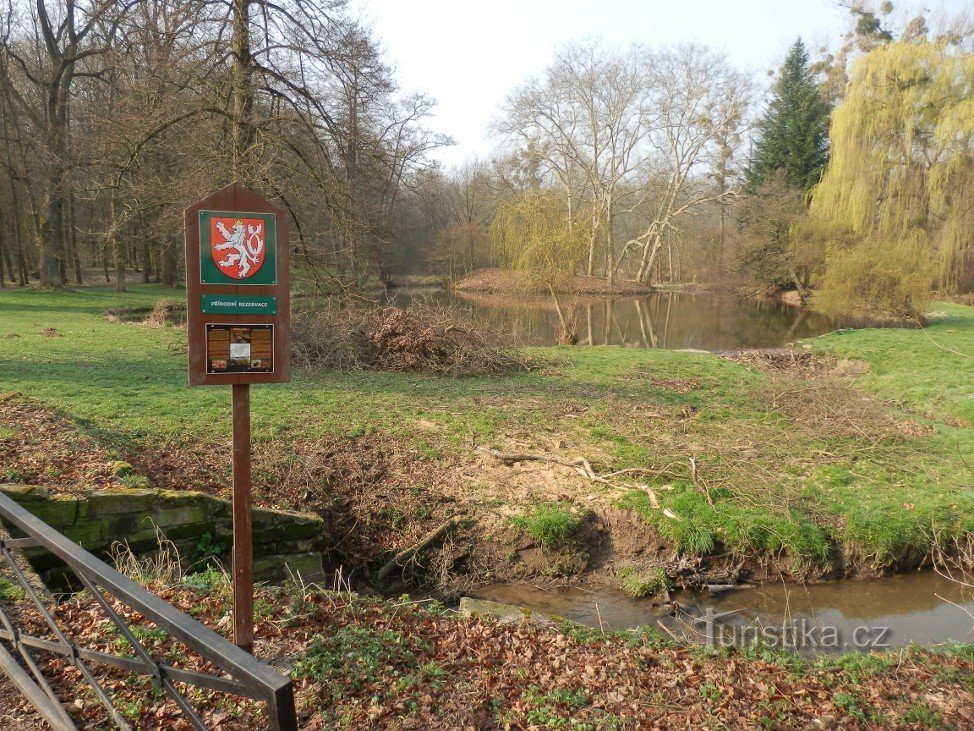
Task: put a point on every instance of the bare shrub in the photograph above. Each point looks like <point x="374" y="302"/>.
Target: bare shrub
<point x="953" y="559"/>
<point x="456" y="570"/>
<point x="347" y="335"/>
<point x="166" y="312"/>
<point x="161" y="567"/>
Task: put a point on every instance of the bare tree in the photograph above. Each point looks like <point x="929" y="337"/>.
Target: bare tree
<point x="64" y="41"/>
<point x="585" y="121"/>
<point x="701" y="101"/>
<point x="637" y="134"/>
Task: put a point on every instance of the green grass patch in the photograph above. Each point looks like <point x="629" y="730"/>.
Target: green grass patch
<point x="928" y="370"/>
<point x="640" y="584"/>
<point x="922" y="716"/>
<point x="550" y="525"/>
<point x="558" y="709"/>
<point x="697" y="526"/>
<point x="857" y="666"/>
<point x="358" y="656"/>
<point x="11" y="590"/>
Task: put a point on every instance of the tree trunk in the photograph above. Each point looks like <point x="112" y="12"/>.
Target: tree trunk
<point x="118" y="250"/>
<point x="802" y="293"/>
<point x="722" y="240"/>
<point x="23" y="274"/>
<point x="146" y="261"/>
<point x="650" y="252"/>
<point x="243" y="92"/>
<point x="669" y="254"/>
<point x="590" y="269"/>
<point x="4" y="258"/>
<point x="16" y="234"/>
<point x="72" y="239"/>
<point x="168" y="265"/>
<point x="50" y="239"/>
<point x="609" y="247"/>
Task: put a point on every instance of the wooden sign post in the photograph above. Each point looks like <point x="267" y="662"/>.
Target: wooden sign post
<point x="238" y="310"/>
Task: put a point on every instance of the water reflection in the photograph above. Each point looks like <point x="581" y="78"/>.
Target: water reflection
<point x="661" y="320"/>
<point x="920" y="607"/>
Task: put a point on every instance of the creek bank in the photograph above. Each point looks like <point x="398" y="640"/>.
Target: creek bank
<point x="411" y="282"/>
<point x="358" y="662"/>
<point x="378" y="496"/>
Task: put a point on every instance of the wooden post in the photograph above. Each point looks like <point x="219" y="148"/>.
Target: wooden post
<point x="243" y="548"/>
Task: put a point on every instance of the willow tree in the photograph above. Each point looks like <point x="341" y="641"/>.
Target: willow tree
<point x="897" y="197"/>
<point x="534" y="236"/>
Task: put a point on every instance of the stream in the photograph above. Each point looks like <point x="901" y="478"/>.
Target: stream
<point x="827" y="618"/>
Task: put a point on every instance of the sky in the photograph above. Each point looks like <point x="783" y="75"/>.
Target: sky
<point x="470" y="55"/>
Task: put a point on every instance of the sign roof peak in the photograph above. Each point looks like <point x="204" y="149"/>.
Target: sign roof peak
<point x="236" y="196"/>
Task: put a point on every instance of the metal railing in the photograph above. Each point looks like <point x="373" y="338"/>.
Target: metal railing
<point x="244" y="676"/>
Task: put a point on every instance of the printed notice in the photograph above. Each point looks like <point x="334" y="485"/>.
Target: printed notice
<point x="239" y="348"/>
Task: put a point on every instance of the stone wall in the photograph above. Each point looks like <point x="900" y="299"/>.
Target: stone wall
<point x="199" y="525"/>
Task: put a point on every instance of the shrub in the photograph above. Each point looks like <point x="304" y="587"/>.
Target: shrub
<point x="888" y="277"/>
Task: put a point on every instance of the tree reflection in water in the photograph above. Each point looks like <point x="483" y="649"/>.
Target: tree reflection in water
<point x="674" y="320"/>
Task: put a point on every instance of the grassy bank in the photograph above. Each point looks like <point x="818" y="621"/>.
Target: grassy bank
<point x="928" y="372"/>
<point x="815" y="463"/>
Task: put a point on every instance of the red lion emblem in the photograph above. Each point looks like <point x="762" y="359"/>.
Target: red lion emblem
<point x="237" y="245"/>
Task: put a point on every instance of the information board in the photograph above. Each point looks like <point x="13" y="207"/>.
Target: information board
<point x="239" y="348"/>
<point x="238" y="303"/>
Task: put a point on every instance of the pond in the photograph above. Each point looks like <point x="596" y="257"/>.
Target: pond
<point x="827" y="618"/>
<point x="674" y="320"/>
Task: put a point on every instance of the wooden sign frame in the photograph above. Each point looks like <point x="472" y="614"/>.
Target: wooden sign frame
<point x="236" y="199"/>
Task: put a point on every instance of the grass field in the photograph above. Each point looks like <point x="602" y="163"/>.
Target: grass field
<point x="877" y="463"/>
<point x="929" y="371"/>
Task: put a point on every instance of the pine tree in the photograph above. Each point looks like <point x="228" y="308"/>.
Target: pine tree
<point x="793" y="134"/>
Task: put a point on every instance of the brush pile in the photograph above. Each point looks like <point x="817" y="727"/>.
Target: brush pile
<point x="348" y="336"/>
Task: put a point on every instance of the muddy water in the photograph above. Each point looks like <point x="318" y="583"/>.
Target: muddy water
<point x="661" y="320"/>
<point x="827" y="618"/>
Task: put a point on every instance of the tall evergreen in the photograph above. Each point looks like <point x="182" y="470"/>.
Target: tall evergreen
<point x="793" y="134"/>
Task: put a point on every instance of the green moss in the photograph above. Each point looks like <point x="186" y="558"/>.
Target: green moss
<point x="136" y="482"/>
<point x="121" y="469"/>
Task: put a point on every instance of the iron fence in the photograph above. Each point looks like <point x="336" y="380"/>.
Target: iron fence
<point x="243" y="675"/>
